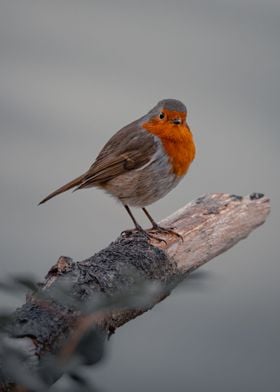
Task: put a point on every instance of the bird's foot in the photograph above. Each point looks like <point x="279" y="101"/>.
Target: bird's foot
<point x="166" y="230"/>
<point x="145" y="233"/>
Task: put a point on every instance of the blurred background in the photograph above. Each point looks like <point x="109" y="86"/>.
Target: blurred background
<point x="74" y="72"/>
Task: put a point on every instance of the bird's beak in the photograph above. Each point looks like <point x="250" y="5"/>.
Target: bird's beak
<point x="176" y="121"/>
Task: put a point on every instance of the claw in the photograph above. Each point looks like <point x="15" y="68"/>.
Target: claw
<point x="150" y="236"/>
<point x="167" y="230"/>
<point x="147" y="235"/>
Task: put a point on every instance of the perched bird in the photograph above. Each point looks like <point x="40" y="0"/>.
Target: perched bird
<point x="143" y="161"/>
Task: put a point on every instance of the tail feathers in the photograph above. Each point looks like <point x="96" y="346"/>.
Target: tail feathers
<point x="77" y="181"/>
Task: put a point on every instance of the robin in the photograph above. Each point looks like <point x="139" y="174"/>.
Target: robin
<point x="143" y="161"/>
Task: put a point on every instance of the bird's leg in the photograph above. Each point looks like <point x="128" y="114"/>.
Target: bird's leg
<point x="156" y="227"/>
<point x="139" y="228"/>
<point x="153" y="222"/>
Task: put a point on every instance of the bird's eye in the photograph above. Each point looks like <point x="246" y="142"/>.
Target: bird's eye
<point x="161" y="115"/>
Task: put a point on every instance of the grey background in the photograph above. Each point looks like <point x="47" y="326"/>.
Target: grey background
<point x="74" y="72"/>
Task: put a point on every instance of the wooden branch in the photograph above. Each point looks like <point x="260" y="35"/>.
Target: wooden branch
<point x="53" y="321"/>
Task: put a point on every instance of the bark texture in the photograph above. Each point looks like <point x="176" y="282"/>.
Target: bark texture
<point x="105" y="291"/>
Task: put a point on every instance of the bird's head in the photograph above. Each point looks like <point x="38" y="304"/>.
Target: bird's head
<point x="168" y="116"/>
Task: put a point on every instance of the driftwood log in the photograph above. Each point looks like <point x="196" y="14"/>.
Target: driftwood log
<point x="54" y="320"/>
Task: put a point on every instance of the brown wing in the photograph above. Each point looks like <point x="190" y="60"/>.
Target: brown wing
<point x="130" y="148"/>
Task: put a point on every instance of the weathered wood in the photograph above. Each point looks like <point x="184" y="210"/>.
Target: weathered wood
<point x="53" y="321"/>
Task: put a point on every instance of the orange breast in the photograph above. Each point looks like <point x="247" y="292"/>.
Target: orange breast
<point x="178" y="144"/>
